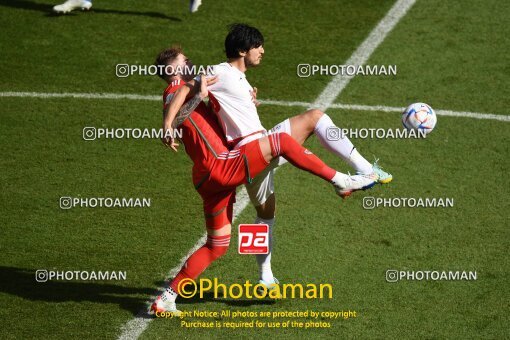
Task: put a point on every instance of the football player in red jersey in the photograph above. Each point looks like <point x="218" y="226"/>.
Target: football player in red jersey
<point x="217" y="171"/>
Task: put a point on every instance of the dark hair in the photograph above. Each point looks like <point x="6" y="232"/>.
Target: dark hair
<point x="242" y="38"/>
<point x="165" y="58"/>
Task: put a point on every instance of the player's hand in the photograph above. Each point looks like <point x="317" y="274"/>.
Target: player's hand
<point x="167" y="139"/>
<point x="204" y="83"/>
<point x="173" y="144"/>
<point x="254" y="97"/>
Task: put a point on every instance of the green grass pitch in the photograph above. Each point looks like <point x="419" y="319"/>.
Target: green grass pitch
<point x="451" y="55"/>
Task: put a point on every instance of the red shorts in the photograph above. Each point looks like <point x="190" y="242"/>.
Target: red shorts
<point x="226" y="172"/>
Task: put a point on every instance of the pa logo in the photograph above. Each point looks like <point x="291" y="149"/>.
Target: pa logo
<point x="253" y="239"/>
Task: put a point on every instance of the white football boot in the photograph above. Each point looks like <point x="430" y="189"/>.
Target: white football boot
<point x="268" y="286"/>
<point x="383" y="177"/>
<point x="346" y="185"/>
<point x="71" y="5"/>
<point x="162" y="305"/>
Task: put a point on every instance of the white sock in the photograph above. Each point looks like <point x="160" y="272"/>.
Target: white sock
<point x="264" y="260"/>
<point x="341" y="146"/>
<point x="169" y="295"/>
<point x="359" y="163"/>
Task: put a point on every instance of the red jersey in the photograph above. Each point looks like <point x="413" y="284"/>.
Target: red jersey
<point x="202" y="135"/>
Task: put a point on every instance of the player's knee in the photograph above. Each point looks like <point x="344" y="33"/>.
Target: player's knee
<point x="284" y="139"/>
<point x="219" y="252"/>
<point x="267" y="209"/>
<point x="313" y="116"/>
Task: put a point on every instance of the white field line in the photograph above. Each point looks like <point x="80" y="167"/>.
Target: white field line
<point x="354" y="107"/>
<point x="364" y="51"/>
<point x="133" y="328"/>
<point x="465" y="114"/>
<point x="381" y="108"/>
<point x="47" y="95"/>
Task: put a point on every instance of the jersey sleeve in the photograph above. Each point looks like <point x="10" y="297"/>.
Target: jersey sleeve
<point x="217" y="70"/>
<point x="169" y="92"/>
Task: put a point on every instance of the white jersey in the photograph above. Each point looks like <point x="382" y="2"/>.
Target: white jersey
<point x="235" y="108"/>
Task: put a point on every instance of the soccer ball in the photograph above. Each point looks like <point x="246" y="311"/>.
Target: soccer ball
<point x="420" y="117"/>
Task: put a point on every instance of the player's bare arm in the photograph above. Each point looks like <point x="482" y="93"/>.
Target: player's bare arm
<point x="175" y="113"/>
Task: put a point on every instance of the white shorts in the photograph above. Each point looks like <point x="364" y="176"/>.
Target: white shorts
<point x="262" y="186"/>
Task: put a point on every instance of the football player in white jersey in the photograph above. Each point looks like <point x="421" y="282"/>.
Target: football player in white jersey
<point x="234" y="101"/>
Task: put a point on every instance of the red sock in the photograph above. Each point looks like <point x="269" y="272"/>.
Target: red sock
<point x="215" y="247"/>
<point x="282" y="144"/>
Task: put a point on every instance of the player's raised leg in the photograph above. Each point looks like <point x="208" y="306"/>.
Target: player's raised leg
<point x="282" y="144"/>
<point x="330" y="136"/>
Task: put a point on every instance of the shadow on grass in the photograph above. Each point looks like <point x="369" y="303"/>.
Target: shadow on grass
<point x="22" y="282"/>
<point x="48" y="9"/>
